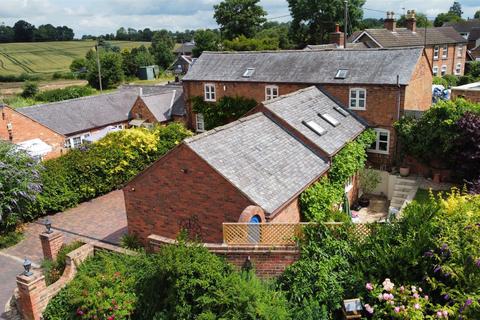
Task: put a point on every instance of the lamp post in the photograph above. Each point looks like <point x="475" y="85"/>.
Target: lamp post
<point x="48" y="225"/>
<point x="27" y="264"/>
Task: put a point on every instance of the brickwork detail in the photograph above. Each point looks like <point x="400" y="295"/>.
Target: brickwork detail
<point x="51" y="244"/>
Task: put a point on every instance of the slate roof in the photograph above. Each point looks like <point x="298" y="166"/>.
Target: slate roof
<point x="261" y="159"/>
<point x="162" y="105"/>
<point x="403" y="37"/>
<point x="186" y="47"/>
<point x="464" y="26"/>
<point x="374" y="66"/>
<point x="359" y="45"/>
<point x="307" y="105"/>
<point x="474" y="34"/>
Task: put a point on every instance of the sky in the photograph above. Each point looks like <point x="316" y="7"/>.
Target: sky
<point x="106" y="16"/>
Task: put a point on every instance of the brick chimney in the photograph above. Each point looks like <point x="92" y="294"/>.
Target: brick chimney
<point x="389" y="23"/>
<point x="411" y="21"/>
<point x="337" y="37"/>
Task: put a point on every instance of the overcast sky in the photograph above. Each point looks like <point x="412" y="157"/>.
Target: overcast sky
<point x="106" y="16"/>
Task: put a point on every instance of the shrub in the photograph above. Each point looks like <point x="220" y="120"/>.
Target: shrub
<point x="19" y="185"/>
<point x="30" y="89"/>
<point x="10" y="238"/>
<point x="440" y="81"/>
<point x="64" y="94"/>
<point x="63" y="75"/>
<point x="369" y="180"/>
<point x="53" y="270"/>
<point x="468" y="157"/>
<point x="317" y="202"/>
<point x="452" y="80"/>
<point x="130" y="241"/>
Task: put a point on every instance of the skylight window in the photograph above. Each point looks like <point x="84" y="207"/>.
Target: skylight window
<point x="248" y="73"/>
<point x="342" y="111"/>
<point x="341" y="74"/>
<point x="334" y="122"/>
<point x="315" y="127"/>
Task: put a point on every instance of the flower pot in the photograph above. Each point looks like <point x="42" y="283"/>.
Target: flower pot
<point x="404" y="171"/>
<point x="364" y="202"/>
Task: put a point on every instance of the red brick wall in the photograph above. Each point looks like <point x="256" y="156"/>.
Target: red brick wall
<point x="24" y="128"/>
<point x="418" y="93"/>
<point x="140" y="108"/>
<point x="163" y="199"/>
<point x="451" y="59"/>
<point x="471" y="95"/>
<point x="290" y="214"/>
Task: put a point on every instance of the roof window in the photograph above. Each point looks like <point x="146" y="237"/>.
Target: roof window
<point x="341" y="74"/>
<point x="342" y="111"/>
<point x="248" y="73"/>
<point x="334" y="122"/>
<point x="315" y="127"/>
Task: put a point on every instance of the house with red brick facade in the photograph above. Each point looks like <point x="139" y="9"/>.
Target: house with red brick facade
<point x="445" y="48"/>
<point x="378" y="85"/>
<point x="54" y="128"/>
<point x="253" y="169"/>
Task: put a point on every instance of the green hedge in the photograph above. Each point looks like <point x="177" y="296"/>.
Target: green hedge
<point x="65" y="93"/>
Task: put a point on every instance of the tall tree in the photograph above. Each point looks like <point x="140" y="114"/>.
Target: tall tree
<point x="24" y="31"/>
<point x="314" y="19"/>
<point x="239" y="17"/>
<point x="111" y="67"/>
<point x="422" y="21"/>
<point x="477" y="15"/>
<point x="456" y="9"/>
<point x="162" y="48"/>
<point x="6" y="34"/>
<point x="205" y="40"/>
<point x="446" y="17"/>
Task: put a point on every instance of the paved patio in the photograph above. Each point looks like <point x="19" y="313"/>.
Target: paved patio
<point x="102" y="219"/>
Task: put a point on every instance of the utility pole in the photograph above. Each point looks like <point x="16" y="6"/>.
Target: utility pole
<point x="99" y="68"/>
<point x="345" y="27"/>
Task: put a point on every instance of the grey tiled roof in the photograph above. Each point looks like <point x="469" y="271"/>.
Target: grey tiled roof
<point x="78" y="115"/>
<point x="474" y="34"/>
<point x="164" y="105"/>
<point x="464" y="26"/>
<point x="403" y="37"/>
<point x="359" y="45"/>
<point x="260" y="159"/>
<point x="186" y="47"/>
<point x="306" y="105"/>
<point x="375" y="66"/>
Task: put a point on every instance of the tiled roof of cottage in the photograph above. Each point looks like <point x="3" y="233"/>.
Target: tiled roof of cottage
<point x="403" y="37"/>
<point x="474" y="34"/>
<point x="464" y="26"/>
<point x="260" y="159"/>
<point x="311" y="104"/>
<point x="374" y="66"/>
<point x="359" y="45"/>
<point x="186" y="47"/>
<point x="164" y="105"/>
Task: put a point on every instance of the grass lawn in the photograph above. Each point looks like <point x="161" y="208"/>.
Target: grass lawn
<point x="10" y="239"/>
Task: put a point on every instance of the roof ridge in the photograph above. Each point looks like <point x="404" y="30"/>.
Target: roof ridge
<point x="288" y="95"/>
<point x="310" y="51"/>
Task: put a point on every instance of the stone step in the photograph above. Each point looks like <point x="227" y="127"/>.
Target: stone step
<point x="397" y="202"/>
<point x="404" y="181"/>
<point x="401" y="193"/>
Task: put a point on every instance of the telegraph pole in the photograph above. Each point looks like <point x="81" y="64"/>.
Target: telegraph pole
<point x="99" y="68"/>
<point x="345" y="31"/>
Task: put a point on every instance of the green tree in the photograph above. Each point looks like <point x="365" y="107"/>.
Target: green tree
<point x="277" y="31"/>
<point x="370" y="23"/>
<point x="456" y="9"/>
<point x="314" y="19"/>
<point x="422" y="21"/>
<point x="6" y="34"/>
<point x="205" y="40"/>
<point x="162" y="48"/>
<point x="251" y="44"/>
<point x="78" y="64"/>
<point x="19" y="185"/>
<point x="30" y="89"/>
<point x="477" y="15"/>
<point x="111" y="69"/>
<point x="24" y="31"/>
<point x="136" y="58"/>
<point x="446" y="17"/>
<point x="239" y="17"/>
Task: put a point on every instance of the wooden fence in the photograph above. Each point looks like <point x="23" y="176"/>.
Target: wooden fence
<point x="275" y="233"/>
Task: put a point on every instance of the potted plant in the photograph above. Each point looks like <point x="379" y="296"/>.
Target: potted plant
<point x="404" y="170"/>
<point x="369" y="180"/>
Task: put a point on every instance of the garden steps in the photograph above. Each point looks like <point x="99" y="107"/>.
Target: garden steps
<point x="403" y="193"/>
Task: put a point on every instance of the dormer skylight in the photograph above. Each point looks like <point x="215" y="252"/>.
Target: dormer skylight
<point x="315" y="127"/>
<point x="342" y="111"/>
<point x="341" y="74"/>
<point x="334" y="122"/>
<point x="248" y="73"/>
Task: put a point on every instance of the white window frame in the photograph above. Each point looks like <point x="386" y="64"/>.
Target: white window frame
<point x="458" y="68"/>
<point x="199" y="122"/>
<point x="377" y="142"/>
<point x="269" y="95"/>
<point x="443" y="70"/>
<point x="436" y="51"/>
<point x="70" y="144"/>
<point x="445" y="51"/>
<point x="209" y="92"/>
<point x="460" y="51"/>
<point x="357" y="99"/>
<point x="435" y="70"/>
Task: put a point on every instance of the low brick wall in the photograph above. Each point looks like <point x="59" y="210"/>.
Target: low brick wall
<point x="268" y="261"/>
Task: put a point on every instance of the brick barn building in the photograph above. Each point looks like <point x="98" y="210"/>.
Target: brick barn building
<point x="253" y="168"/>
<point x="379" y="85"/>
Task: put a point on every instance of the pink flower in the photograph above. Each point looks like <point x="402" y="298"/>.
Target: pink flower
<point x="369" y="308"/>
<point x="369" y="286"/>
<point x="402" y="307"/>
<point x="387" y="296"/>
<point x="414" y="289"/>
<point x="439" y="314"/>
<point x="415" y="295"/>
<point x="426" y="297"/>
<point x="445" y="313"/>
<point x="391" y="302"/>
<point x="388" y="285"/>
<point x="396" y="309"/>
<point x="420" y="289"/>
<point x="416" y="306"/>
<point x="402" y="289"/>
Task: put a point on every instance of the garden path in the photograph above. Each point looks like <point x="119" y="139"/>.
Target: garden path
<point x="101" y="219"/>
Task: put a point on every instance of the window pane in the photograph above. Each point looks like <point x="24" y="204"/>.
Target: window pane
<point x="353" y="103"/>
<point x="383" y="136"/>
<point x="361" y="94"/>
<point x="353" y="94"/>
<point x="382" y="146"/>
<point x="361" y="103"/>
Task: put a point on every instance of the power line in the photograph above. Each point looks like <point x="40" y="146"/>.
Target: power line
<point x="274" y="18"/>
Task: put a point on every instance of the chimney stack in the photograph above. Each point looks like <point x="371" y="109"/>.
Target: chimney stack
<point x="411" y="21"/>
<point x="390" y="23"/>
<point x="337" y="37"/>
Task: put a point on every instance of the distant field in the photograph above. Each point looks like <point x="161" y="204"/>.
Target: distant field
<point x="47" y="57"/>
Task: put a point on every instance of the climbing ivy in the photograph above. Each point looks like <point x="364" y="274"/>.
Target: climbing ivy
<point x="225" y="110"/>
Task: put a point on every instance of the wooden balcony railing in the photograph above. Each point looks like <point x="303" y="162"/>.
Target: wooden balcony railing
<point x="274" y="233"/>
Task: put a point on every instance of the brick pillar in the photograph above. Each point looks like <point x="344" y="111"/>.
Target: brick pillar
<point x="31" y="295"/>
<point x="51" y="244"/>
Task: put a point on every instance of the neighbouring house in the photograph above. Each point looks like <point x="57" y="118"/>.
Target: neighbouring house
<point x="336" y="41"/>
<point x="469" y="29"/>
<point x="181" y="64"/>
<point x="67" y="124"/>
<point x="184" y="49"/>
<point x="469" y="91"/>
<point x="379" y="85"/>
<point x="265" y="160"/>
<point x="445" y="47"/>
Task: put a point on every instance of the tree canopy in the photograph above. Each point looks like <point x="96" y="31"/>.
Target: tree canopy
<point x="314" y="19"/>
<point x="422" y="21"/>
<point x="205" y="40"/>
<point x="239" y="17"/>
<point x="162" y="48"/>
<point x="454" y="14"/>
